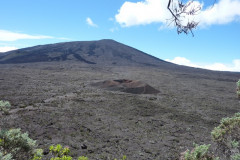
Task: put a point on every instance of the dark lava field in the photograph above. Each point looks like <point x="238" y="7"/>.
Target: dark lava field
<point x="55" y="99"/>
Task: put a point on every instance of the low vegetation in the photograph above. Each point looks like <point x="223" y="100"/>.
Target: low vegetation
<point x="5" y="107"/>
<point x="16" y="145"/>
<point x="200" y="152"/>
<point x="227" y="138"/>
<point x="238" y="88"/>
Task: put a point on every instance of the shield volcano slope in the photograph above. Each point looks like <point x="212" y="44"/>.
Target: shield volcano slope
<point x="102" y="52"/>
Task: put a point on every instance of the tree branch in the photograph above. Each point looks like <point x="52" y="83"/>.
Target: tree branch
<point x="179" y="12"/>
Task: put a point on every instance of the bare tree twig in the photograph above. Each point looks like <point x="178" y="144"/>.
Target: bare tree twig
<point x="180" y="11"/>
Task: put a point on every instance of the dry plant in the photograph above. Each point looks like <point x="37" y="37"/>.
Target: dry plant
<point x="180" y="12"/>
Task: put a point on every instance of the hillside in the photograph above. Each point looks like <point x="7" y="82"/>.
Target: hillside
<point x="103" y="52"/>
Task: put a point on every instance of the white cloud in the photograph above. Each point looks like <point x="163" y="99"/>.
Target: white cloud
<point x="234" y="66"/>
<point x="140" y="13"/>
<point x="13" y="36"/>
<point x="225" y="11"/>
<point x="155" y="11"/>
<point x="6" y="48"/>
<point x="90" y="22"/>
<point x="183" y="61"/>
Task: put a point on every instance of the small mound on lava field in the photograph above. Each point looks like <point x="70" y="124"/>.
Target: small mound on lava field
<point x="128" y="86"/>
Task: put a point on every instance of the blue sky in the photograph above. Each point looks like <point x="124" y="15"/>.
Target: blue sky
<point x="140" y="24"/>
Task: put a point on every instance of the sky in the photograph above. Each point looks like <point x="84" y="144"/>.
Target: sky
<point x="142" y="24"/>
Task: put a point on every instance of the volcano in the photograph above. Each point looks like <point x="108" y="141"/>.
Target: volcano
<point x="102" y="52"/>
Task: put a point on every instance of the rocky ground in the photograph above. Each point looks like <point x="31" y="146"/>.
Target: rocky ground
<point x="56" y="103"/>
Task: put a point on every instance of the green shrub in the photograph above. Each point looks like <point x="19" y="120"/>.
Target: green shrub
<point x="238" y="88"/>
<point x="227" y="137"/>
<point x="59" y="153"/>
<point x="16" y="145"/>
<point x="238" y="83"/>
<point x="82" y="158"/>
<point x="123" y="158"/>
<point x="38" y="154"/>
<point x="5" y="106"/>
<point x="227" y="127"/>
<point x="234" y="144"/>
<point x="5" y="157"/>
<point x="235" y="157"/>
<point x="200" y="152"/>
